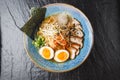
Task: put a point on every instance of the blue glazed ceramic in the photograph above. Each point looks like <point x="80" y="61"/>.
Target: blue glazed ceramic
<point x="70" y="64"/>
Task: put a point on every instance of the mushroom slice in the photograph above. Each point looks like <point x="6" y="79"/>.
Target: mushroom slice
<point x="72" y="51"/>
<point x="78" y="51"/>
<point x="77" y="46"/>
<point x="78" y="33"/>
<point x="76" y="40"/>
<point x="78" y="26"/>
<point x="81" y="44"/>
<point x="75" y="22"/>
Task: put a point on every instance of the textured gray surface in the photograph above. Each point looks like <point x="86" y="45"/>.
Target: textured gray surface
<point x="102" y="64"/>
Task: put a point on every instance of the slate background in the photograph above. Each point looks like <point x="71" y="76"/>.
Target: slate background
<point x="103" y="62"/>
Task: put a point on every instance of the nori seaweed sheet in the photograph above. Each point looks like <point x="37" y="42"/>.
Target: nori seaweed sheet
<point x="32" y="25"/>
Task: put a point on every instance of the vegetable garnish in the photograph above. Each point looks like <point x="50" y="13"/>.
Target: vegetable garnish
<point x="39" y="42"/>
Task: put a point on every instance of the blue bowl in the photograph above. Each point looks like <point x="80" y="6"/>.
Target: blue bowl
<point x="70" y="64"/>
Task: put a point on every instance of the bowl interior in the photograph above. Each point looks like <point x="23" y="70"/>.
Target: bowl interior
<point x="70" y="64"/>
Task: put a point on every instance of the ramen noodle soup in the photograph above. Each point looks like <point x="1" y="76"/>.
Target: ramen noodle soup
<point x="60" y="37"/>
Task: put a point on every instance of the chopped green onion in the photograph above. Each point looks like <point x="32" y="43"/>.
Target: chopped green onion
<point x="39" y="42"/>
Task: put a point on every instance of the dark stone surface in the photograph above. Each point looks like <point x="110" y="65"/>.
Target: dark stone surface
<point x="102" y="64"/>
<point x="0" y="43"/>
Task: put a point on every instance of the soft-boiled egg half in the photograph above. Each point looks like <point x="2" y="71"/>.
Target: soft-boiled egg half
<point x="61" y="55"/>
<point x="46" y="52"/>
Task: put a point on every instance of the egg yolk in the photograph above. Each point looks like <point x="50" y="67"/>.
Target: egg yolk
<point x="46" y="53"/>
<point x="62" y="56"/>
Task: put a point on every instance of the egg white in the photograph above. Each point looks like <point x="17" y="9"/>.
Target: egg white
<point x="59" y="51"/>
<point x="51" y="52"/>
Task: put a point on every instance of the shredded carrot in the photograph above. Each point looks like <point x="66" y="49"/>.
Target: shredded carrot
<point x="55" y="42"/>
<point x="63" y="42"/>
<point x="58" y="37"/>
